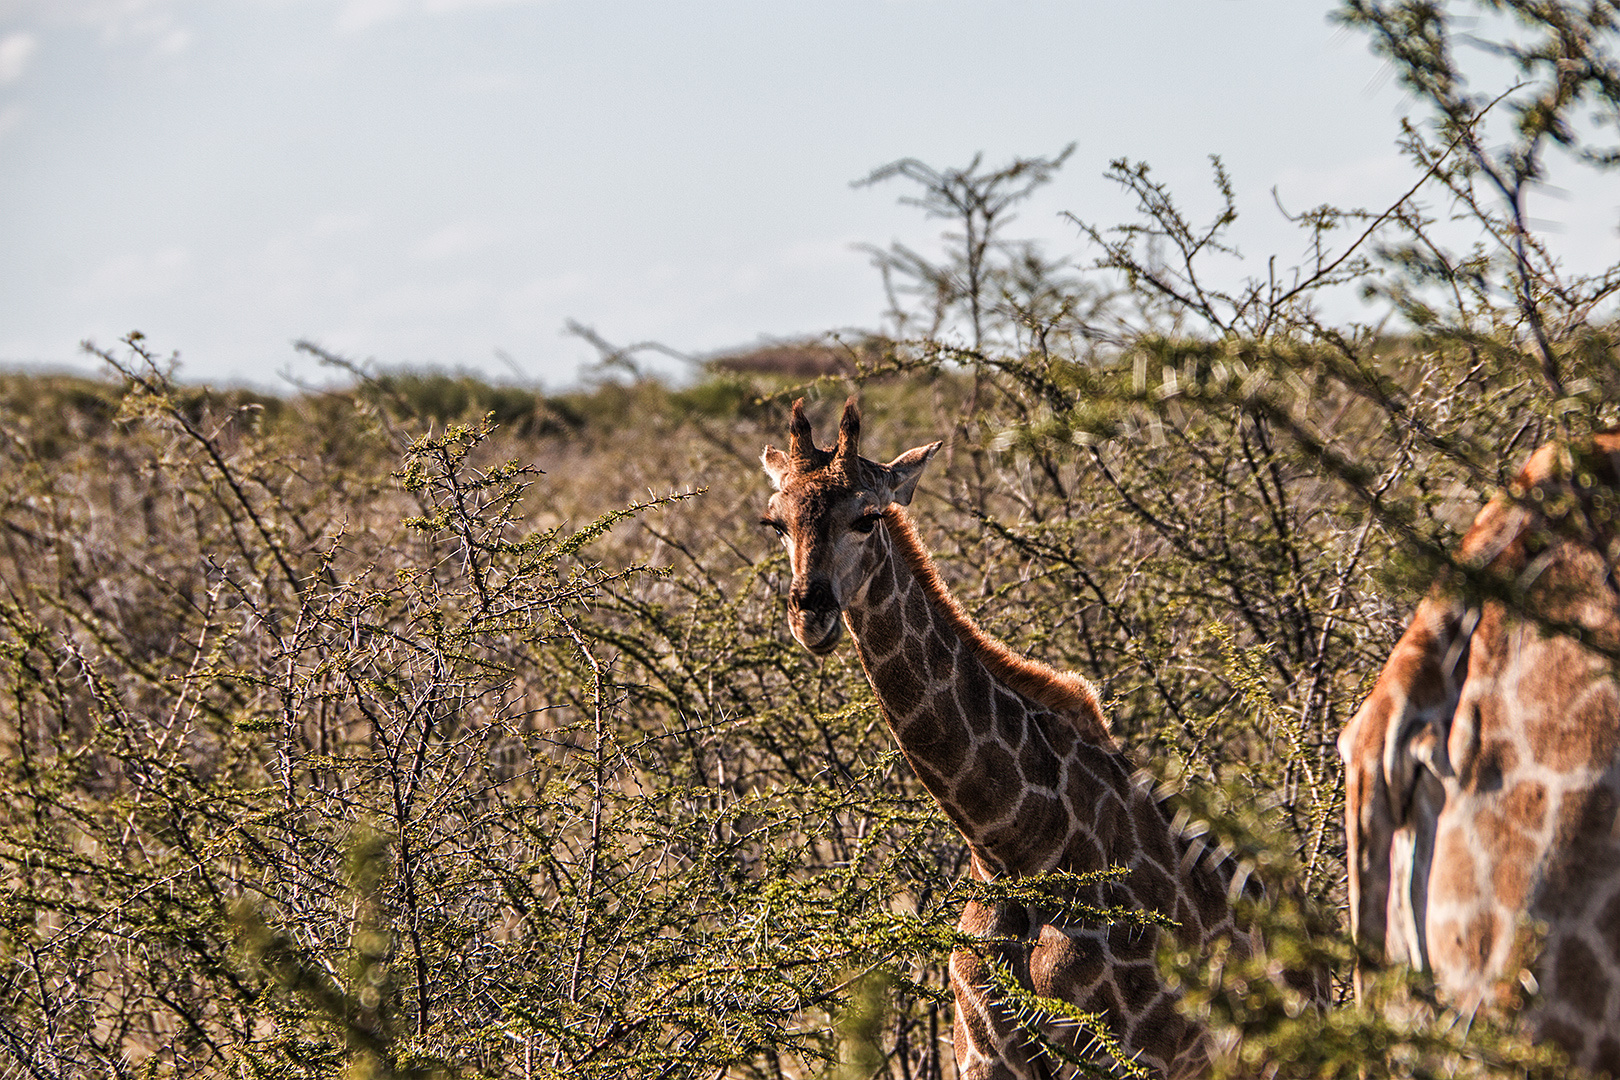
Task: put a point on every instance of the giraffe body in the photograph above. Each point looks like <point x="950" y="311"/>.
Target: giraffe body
<point x="1017" y="754"/>
<point x="1483" y="771"/>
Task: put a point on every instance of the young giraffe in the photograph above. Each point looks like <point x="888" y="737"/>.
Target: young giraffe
<point x="1017" y="754"/>
<point x="1482" y="774"/>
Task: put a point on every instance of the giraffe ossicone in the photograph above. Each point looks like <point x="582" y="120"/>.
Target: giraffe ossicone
<point x="1482" y="773"/>
<point x="1018" y="756"/>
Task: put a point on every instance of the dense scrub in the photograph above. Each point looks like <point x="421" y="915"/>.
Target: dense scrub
<point x="339" y="738"/>
<point x="428" y="728"/>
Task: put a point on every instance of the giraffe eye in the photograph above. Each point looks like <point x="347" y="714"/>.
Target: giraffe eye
<point x="781" y="529"/>
<point x="865" y="523"/>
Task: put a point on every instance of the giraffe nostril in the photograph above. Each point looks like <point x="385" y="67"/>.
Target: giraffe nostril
<point x="815" y="596"/>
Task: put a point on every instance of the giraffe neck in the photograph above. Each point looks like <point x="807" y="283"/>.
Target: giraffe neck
<point x="1020" y="760"/>
<point x="1017" y="754"/>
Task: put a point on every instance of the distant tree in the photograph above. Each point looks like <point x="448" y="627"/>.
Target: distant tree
<point x="1489" y="149"/>
<point x="970" y="281"/>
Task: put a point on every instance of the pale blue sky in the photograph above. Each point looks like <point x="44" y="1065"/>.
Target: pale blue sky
<point x="430" y="181"/>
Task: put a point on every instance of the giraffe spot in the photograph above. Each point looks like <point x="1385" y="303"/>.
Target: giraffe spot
<point x="1065" y="967"/>
<point x="1597" y="814"/>
<point x="1479" y="939"/>
<point x="1154" y="831"/>
<point x="931" y="777"/>
<point x="1526" y="805"/>
<point x="1162" y="1031"/>
<point x="976" y="919"/>
<point x="1060" y="733"/>
<point x="1583" y="839"/>
<point x="1111" y="766"/>
<point x="883" y="628"/>
<point x="1511" y="878"/>
<point x="1580" y="981"/>
<point x="1138" y="984"/>
<point x="1128" y="944"/>
<point x="1454" y="872"/>
<point x="1113" y="825"/>
<point x="973" y="693"/>
<point x="1106" y="1000"/>
<point x="1191" y="925"/>
<point x="882" y="583"/>
<point x="1446" y="946"/>
<point x="927" y="736"/>
<point x="1490" y="822"/>
<point x="1564" y="743"/>
<point x="1608" y="1056"/>
<point x="1044" y="815"/>
<point x="899" y="682"/>
<point x="1083" y="854"/>
<point x="1083" y="787"/>
<point x="1008" y="708"/>
<point x="1154" y="889"/>
<point x="1483" y="772"/>
<point x="1511" y="859"/>
<point x="1036" y="760"/>
<point x="989" y="784"/>
<point x="941" y="657"/>
<point x="1207" y="893"/>
<point x="1595" y="715"/>
<point x="1610" y="923"/>
<point x="1565" y="1034"/>
<point x="1010" y="920"/>
<point x="1022" y="844"/>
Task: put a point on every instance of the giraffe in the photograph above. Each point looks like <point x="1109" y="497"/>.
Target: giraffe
<point x="1017" y="754"/>
<point x="1482" y="773"/>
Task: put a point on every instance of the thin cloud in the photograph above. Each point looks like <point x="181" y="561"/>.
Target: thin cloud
<point x="16" y="50"/>
<point x="364" y="14"/>
<point x="155" y="26"/>
<point x="457" y="240"/>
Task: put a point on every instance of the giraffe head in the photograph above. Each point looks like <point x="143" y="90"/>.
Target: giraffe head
<point x="827" y="507"/>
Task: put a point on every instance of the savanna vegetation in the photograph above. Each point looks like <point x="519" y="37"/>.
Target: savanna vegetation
<point x="425" y="727"/>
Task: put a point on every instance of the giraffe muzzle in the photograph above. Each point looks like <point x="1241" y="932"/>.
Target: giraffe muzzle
<point x="827" y="640"/>
<point x="816" y="616"/>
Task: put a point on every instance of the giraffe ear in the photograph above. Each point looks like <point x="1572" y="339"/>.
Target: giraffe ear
<point x="905" y="470"/>
<point x="776" y="465"/>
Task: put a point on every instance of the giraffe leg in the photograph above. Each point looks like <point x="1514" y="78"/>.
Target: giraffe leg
<point x="988" y="1045"/>
<point x="977" y="1055"/>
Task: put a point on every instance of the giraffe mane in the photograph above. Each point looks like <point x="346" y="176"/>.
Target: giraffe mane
<point x="1064" y="692"/>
